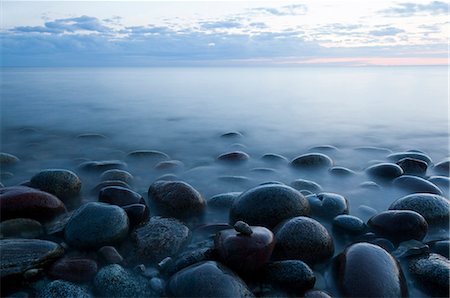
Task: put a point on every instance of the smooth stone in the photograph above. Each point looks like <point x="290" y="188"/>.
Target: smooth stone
<point x="292" y="274"/>
<point x="137" y="213"/>
<point x="158" y="285"/>
<point x="148" y="154"/>
<point x="399" y="225"/>
<point x="60" y="288"/>
<point x="169" y="165"/>
<point x="384" y="171"/>
<point x="103" y="165"/>
<point x="91" y="136"/>
<point x="73" y="269"/>
<point x="412" y="166"/>
<point x="342" y="172"/>
<point x="312" y="161"/>
<point x="21" y="228"/>
<point x="303" y="238"/>
<point x="257" y="205"/>
<point x="120" y="196"/>
<point x="384" y="244"/>
<point x="303" y="184"/>
<point x="443" y="167"/>
<point x="243" y="228"/>
<point x="26" y="202"/>
<point x="223" y="201"/>
<point x="441" y="247"/>
<point x="327" y="205"/>
<point x="275" y="158"/>
<point x="115" y="281"/>
<point x="441" y="181"/>
<point x="116" y="174"/>
<point x="234" y="156"/>
<point x="395" y="157"/>
<point x="96" y="224"/>
<point x="20" y="255"/>
<point x="232" y="134"/>
<point x="176" y="198"/>
<point x="160" y="238"/>
<point x="433" y="272"/>
<point x="64" y="184"/>
<point x="192" y="257"/>
<point x="207" y="279"/>
<point x="367" y="270"/>
<point x="245" y="252"/>
<point x="109" y="255"/>
<point x="349" y="223"/>
<point x="414" y="184"/>
<point x="370" y="185"/>
<point x="8" y="159"/>
<point x="108" y="183"/>
<point x="435" y="209"/>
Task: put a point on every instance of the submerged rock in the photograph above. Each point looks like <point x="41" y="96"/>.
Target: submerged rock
<point x="312" y="161"/>
<point x="384" y="171"/>
<point x="303" y="184"/>
<point x="232" y="134"/>
<point x="234" y="156"/>
<point x="416" y="184"/>
<point x="275" y="158"/>
<point x="433" y="273"/>
<point x="116" y="174"/>
<point x="120" y="196"/>
<point x="268" y="205"/>
<point x="224" y="200"/>
<point x="291" y="274"/>
<point x="64" y="184"/>
<point x="412" y="166"/>
<point x="443" y="167"/>
<point x="349" y="224"/>
<point x="367" y="270"/>
<point x="395" y="157"/>
<point x="169" y="165"/>
<point x="101" y="166"/>
<point x="108" y="183"/>
<point x="59" y="288"/>
<point x="148" y="154"/>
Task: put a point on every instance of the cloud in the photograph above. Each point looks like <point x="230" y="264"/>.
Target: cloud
<point x="388" y="31"/>
<point x="287" y="10"/>
<point x="226" y="24"/>
<point x="410" y="9"/>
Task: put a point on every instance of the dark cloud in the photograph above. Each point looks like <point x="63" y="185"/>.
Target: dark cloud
<point x="409" y="9"/>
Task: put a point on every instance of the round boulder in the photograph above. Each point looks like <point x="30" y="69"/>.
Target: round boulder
<point x="64" y="184"/>
<point x="60" y="288"/>
<point x="234" y="156"/>
<point x="433" y="273"/>
<point x="312" y="161"/>
<point x="327" y="205"/>
<point x="414" y="184"/>
<point x="384" y="171"/>
<point x="120" y="196"/>
<point x="291" y="274"/>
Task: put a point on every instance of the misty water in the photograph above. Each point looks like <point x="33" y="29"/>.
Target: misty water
<point x="184" y="111"/>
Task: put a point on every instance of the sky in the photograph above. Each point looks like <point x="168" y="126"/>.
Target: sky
<point x="223" y="33"/>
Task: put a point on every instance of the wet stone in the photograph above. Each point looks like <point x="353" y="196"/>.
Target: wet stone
<point x="101" y="166"/>
<point x="245" y="252"/>
<point x="441" y="181"/>
<point x="349" y="224"/>
<point x="191" y="257"/>
<point x="176" y="198"/>
<point x="115" y="281"/>
<point x="109" y="255"/>
<point x="243" y="228"/>
<point x="7" y="159"/>
<point x="312" y="161"/>
<point x="20" y="255"/>
<point x="434" y="208"/>
<point x="291" y="274"/>
<point x="395" y="157"/>
<point x="443" y="167"/>
<point x="91" y="136"/>
<point x="107" y="183"/>
<point x="413" y="166"/>
<point x="137" y="213"/>
<point x="233" y="179"/>
<point x="160" y="238"/>
<point x="441" y="247"/>
<point x="399" y="225"/>
<point x="275" y="158"/>
<point x="223" y="201"/>
<point x="73" y="269"/>
<point x="342" y="172"/>
<point x="384" y="171"/>
<point x="96" y="224"/>
<point x="433" y="273"/>
<point x="120" y="196"/>
<point x="234" y="156"/>
<point x="231" y="135"/>
<point x="207" y="279"/>
<point x="116" y="174"/>
<point x="60" y="288"/>
<point x="302" y="184"/>
<point x="56" y="227"/>
<point x="169" y="165"/>
<point x="367" y="270"/>
<point x="327" y="205"/>
<point x="414" y="184"/>
<point x="303" y="238"/>
<point x="21" y="228"/>
<point x="64" y="184"/>
<point x="256" y="206"/>
<point x="370" y="185"/>
<point x="148" y="154"/>
<point x="26" y="202"/>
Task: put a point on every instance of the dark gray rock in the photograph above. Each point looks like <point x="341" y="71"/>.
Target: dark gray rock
<point x="433" y="273"/>
<point x="328" y="149"/>
<point x="367" y="270"/>
<point x="412" y="166"/>
<point x="137" y="213"/>
<point x="95" y="225"/>
<point x="384" y="171"/>
<point x="399" y="225"/>
<point x="223" y="201"/>
<point x="312" y="161"/>
<point x="234" y="156"/>
<point x="268" y="205"/>
<point x="160" y="238"/>
<point x="275" y="158"/>
<point x="435" y="209"/>
<point x="316" y="294"/>
<point x="73" y="269"/>
<point x="441" y="247"/>
<point x="21" y="228"/>
<point x="120" y="196"/>
<point x="303" y="238"/>
<point x="302" y="184"/>
<point x="116" y="174"/>
<point x="327" y="205"/>
<point x="60" y="288"/>
<point x="115" y="281"/>
<point x="148" y="155"/>
<point x="442" y="167"/>
<point x="290" y="274"/>
<point x="64" y="184"/>
<point x="207" y="279"/>
<point x="395" y="157"/>
<point x="442" y="182"/>
<point x="108" y="183"/>
<point x="109" y="255"/>
<point x="414" y="184"/>
<point x="349" y="224"/>
<point x="370" y="185"/>
<point x="232" y="135"/>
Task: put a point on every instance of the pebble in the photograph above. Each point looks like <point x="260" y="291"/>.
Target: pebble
<point x="62" y="183"/>
<point x="384" y="171"/>
<point x="349" y="224"/>
<point x="412" y="166"/>
<point x="26" y="202"/>
<point x="116" y="174"/>
<point x="109" y="255"/>
<point x="303" y="238"/>
<point x="114" y="281"/>
<point x="303" y="184"/>
<point x="95" y="225"/>
<point x="21" y="228"/>
<point x="176" y="198"/>
<point x="120" y="196"/>
<point x="243" y="228"/>
<point x="312" y="161"/>
<point x="148" y="154"/>
<point x="441" y="247"/>
<point x="291" y="274"/>
<point x="245" y="252"/>
<point x="414" y="184"/>
<point x="223" y="200"/>
<point x="434" y="208"/>
<point x="399" y="225"/>
<point x="433" y="273"/>
<point x="327" y="205"/>
<point x="256" y="206"/>
<point x="76" y="270"/>
<point x="234" y="156"/>
<point x="60" y="288"/>
<point x="367" y="270"/>
<point x="160" y="238"/>
<point x="395" y="157"/>
<point x="7" y="159"/>
<point x="207" y="279"/>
